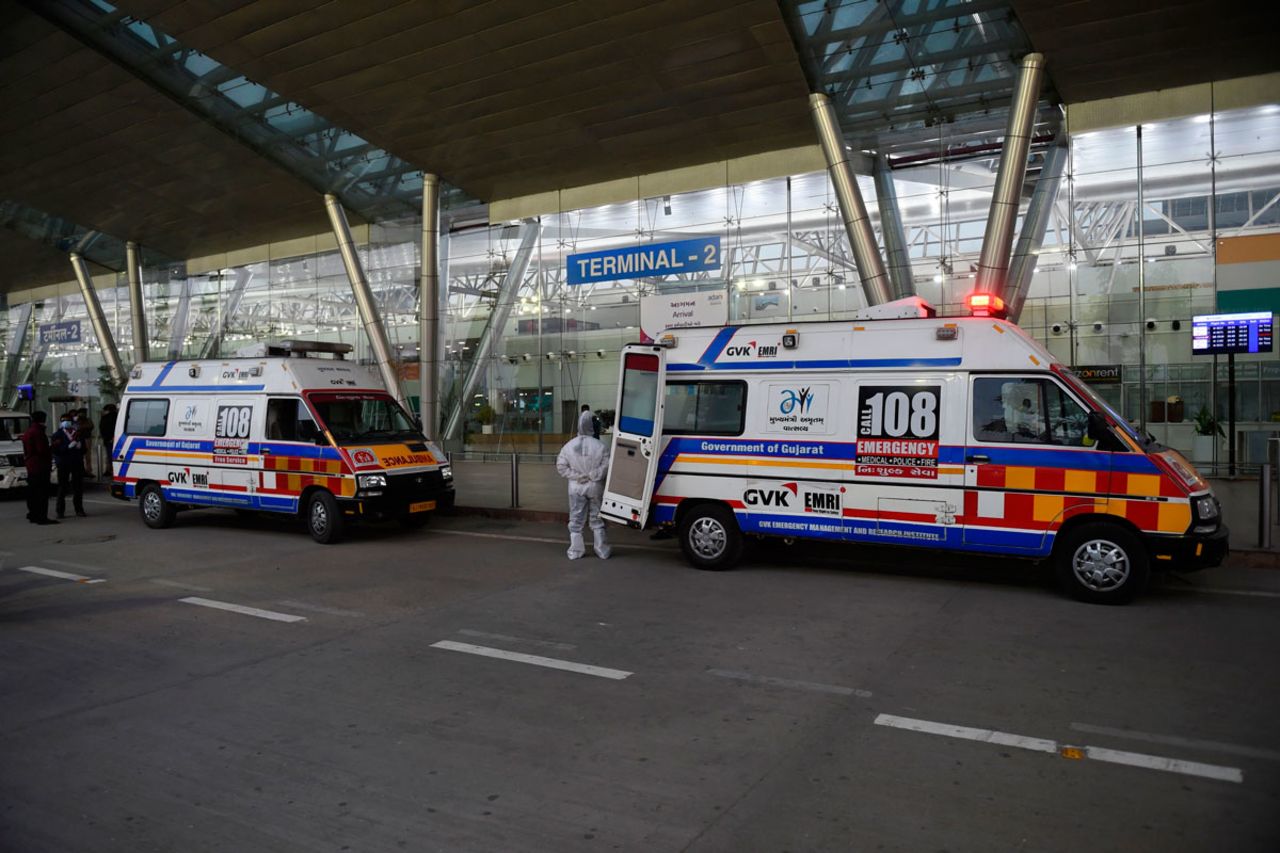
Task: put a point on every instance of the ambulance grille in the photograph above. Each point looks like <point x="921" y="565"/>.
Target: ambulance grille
<point x="423" y="486"/>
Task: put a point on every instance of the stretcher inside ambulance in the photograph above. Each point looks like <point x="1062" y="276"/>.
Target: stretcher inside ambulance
<point x="317" y="438"/>
<point x="901" y="428"/>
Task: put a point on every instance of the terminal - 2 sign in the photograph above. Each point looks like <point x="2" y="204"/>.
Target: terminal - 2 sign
<point x="653" y="259"/>
<point x="60" y="333"/>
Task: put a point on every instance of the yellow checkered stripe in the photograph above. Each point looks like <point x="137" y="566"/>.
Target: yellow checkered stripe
<point x="293" y="484"/>
<point x="302" y="465"/>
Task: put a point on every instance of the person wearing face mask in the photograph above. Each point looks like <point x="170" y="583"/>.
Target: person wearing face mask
<point x="68" y="453"/>
<point x="584" y="461"/>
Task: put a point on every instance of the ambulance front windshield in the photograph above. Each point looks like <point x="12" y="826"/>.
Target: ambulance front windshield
<point x="364" y="418"/>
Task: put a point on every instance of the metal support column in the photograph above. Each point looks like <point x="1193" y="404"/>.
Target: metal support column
<point x="137" y="309"/>
<point x="100" y="328"/>
<point x="1034" y="225"/>
<point x="364" y="298"/>
<point x="862" y="239"/>
<point x="429" y="308"/>
<point x="895" y="234"/>
<point x="993" y="264"/>
<point x="234" y="298"/>
<point x="17" y="342"/>
<point x="506" y="300"/>
<point x="178" y="325"/>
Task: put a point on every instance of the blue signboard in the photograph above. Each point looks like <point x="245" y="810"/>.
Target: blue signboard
<point x="653" y="259"/>
<point x="60" y="333"/>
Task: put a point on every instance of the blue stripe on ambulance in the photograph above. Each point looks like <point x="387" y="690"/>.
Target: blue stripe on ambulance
<point x="814" y="364"/>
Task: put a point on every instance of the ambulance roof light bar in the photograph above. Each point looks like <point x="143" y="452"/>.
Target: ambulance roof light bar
<point x="986" y="305"/>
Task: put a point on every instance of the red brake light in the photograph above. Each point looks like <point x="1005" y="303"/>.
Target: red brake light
<point x="986" y="305"/>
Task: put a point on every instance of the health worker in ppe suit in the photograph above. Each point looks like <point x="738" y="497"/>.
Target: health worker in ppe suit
<point x="584" y="461"/>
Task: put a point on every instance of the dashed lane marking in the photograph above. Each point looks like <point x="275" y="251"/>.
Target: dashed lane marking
<point x="1096" y="753"/>
<point x="240" y="608"/>
<point x="815" y="686"/>
<point x="54" y="573"/>
<point x="535" y="660"/>
<point x="507" y="638"/>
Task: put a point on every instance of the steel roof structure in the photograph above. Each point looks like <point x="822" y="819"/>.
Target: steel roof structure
<point x="207" y="125"/>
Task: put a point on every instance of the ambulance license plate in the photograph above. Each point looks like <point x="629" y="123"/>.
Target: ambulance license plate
<point x="422" y="506"/>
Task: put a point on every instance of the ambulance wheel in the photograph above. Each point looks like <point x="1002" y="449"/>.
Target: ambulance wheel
<point x="1101" y="563"/>
<point x="157" y="512"/>
<point x="710" y="538"/>
<point x="324" y="519"/>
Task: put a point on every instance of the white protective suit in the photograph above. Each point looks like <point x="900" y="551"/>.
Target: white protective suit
<point x="584" y="461"/>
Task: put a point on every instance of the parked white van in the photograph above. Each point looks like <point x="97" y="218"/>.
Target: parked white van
<point x="960" y="434"/>
<point x="297" y="434"/>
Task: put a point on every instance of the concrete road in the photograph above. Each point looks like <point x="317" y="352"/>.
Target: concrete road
<point x="466" y="688"/>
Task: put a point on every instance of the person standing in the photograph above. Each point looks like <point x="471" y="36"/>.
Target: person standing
<point x="595" y="422"/>
<point x="39" y="459"/>
<point x="584" y="461"/>
<point x="107" y="435"/>
<point x="68" y="453"/>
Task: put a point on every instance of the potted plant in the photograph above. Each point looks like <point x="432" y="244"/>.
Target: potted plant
<point x="484" y="417"/>
<point x="1208" y="430"/>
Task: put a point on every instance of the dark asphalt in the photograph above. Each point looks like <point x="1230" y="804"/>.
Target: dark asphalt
<point x="131" y="721"/>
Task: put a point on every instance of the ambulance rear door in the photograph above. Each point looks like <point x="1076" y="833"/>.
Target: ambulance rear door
<point x="637" y="435"/>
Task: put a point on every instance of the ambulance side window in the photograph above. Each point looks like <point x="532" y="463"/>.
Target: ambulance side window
<point x="146" y="417"/>
<point x="1027" y="410"/>
<point x="289" y="419"/>
<point x="705" y="408"/>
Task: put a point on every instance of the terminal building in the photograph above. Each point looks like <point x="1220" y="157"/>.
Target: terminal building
<point x="186" y="180"/>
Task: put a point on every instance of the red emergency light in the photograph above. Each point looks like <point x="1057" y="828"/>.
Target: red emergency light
<point x="986" y="305"/>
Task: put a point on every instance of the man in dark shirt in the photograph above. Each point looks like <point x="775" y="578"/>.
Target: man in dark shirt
<point x="39" y="459"/>
<point x="68" y="452"/>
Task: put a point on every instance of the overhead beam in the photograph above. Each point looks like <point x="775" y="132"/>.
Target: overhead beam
<point x="101" y="330"/>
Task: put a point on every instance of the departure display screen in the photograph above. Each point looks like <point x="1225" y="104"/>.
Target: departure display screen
<point x="1227" y="334"/>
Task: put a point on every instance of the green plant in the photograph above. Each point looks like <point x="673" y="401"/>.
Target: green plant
<point x="484" y="415"/>
<point x="108" y="387"/>
<point x="1207" y="424"/>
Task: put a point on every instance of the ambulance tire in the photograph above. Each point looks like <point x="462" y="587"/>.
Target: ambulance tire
<point x="1101" y="563"/>
<point x="323" y="518"/>
<point x="710" y="538"/>
<point x="157" y="513"/>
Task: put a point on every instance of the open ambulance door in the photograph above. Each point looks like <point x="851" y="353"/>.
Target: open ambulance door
<point x="637" y="435"/>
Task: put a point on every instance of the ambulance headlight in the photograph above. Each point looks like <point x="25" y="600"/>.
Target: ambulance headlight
<point x="446" y="471"/>
<point x="372" y="481"/>
<point x="1206" y="508"/>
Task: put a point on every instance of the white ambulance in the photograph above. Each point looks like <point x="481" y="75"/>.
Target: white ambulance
<point x="960" y="434"/>
<point x="291" y="432"/>
<point x="13" y="465"/>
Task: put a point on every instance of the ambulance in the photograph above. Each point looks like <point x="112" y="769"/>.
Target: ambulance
<point x="298" y="431"/>
<point x="902" y="428"/>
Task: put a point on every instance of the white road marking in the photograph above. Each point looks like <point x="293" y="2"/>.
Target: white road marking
<point x="966" y="733"/>
<point x="787" y="682"/>
<point x="121" y="504"/>
<point x="1169" y="765"/>
<point x="507" y="638"/>
<point x="316" y="608"/>
<point x="546" y="539"/>
<point x="536" y="660"/>
<point x="1174" y="740"/>
<point x="1131" y="759"/>
<point x="66" y="576"/>
<point x="247" y="611"/>
<point x="180" y="585"/>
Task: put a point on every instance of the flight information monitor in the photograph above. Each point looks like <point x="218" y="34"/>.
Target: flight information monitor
<point x="1228" y="334"/>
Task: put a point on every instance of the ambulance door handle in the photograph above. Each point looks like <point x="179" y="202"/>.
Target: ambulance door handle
<point x="977" y="459"/>
<point x="265" y="451"/>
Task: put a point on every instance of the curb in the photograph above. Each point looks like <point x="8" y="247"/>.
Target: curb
<point x="1242" y="558"/>
<point x="542" y="516"/>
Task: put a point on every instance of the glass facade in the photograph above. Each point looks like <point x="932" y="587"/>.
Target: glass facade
<point x="1116" y="282"/>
